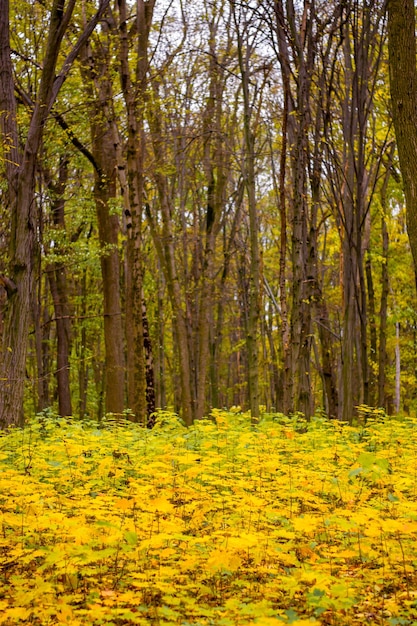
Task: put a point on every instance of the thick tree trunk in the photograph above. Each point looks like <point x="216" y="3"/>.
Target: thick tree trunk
<point x="104" y="136"/>
<point x="297" y="116"/>
<point x="17" y="310"/>
<point x="215" y="167"/>
<point x="21" y="193"/>
<point x="403" y="78"/>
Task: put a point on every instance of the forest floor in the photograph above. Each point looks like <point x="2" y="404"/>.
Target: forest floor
<point x="220" y="524"/>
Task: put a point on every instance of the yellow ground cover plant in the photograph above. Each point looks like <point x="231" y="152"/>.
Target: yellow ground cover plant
<point x="220" y="524"/>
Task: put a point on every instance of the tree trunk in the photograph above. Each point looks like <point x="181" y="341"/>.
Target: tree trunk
<point x="149" y="368"/>
<point x="134" y="92"/>
<point x="218" y="331"/>
<point x="403" y="79"/>
<point x="383" y="311"/>
<point x="160" y="359"/>
<point x="297" y="117"/>
<point x="372" y="328"/>
<point x="164" y="241"/>
<point x="254" y="292"/>
<point x="58" y="283"/>
<point x="285" y="325"/>
<point x="20" y="173"/>
<point x="83" y="367"/>
<point x="353" y="167"/>
<point x="397" y="401"/>
<point x="216" y="179"/>
<point x="165" y="248"/>
<point x="59" y="292"/>
<point x="104" y="136"/>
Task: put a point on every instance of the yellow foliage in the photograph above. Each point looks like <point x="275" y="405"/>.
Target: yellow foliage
<point x="123" y="504"/>
<point x="223" y="560"/>
<point x="17" y="614"/>
<point x="219" y="524"/>
<point x="306" y="523"/>
<point x="162" y="505"/>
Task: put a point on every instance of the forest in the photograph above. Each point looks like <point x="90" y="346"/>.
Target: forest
<point x="202" y="206"/>
<point x="208" y="320"/>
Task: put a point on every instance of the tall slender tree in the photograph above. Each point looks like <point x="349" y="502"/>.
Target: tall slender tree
<point x="134" y="87"/>
<point x="246" y="41"/>
<point x="96" y="68"/>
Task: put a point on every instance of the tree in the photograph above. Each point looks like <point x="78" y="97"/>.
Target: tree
<point x="246" y="42"/>
<point x="58" y="282"/>
<point x="20" y="170"/>
<point x="96" y="70"/>
<point x="233" y="208"/>
<point x="306" y="52"/>
<point x="354" y="159"/>
<point x="189" y="182"/>
<point x="134" y="88"/>
<point x="403" y="81"/>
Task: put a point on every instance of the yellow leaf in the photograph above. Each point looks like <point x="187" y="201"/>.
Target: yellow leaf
<point x="348" y="554"/>
<point x="18" y="613"/>
<point x="371" y="531"/>
<point x="306" y="523"/>
<point x="304" y="552"/>
<point x="123" y="504"/>
<point x="287" y="559"/>
<point x="66" y="615"/>
<point x="222" y="559"/>
<point x="392" y="525"/>
<point x="162" y="505"/>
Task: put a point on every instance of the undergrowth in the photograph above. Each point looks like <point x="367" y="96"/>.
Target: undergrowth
<point x="220" y="524"/>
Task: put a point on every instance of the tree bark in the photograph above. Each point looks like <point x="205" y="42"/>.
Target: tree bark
<point x="297" y="118"/>
<point x="134" y="92"/>
<point x="215" y="163"/>
<point x="403" y="80"/>
<point x="385" y="285"/>
<point x="104" y="136"/>
<point x="254" y="294"/>
<point x="58" y="283"/>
